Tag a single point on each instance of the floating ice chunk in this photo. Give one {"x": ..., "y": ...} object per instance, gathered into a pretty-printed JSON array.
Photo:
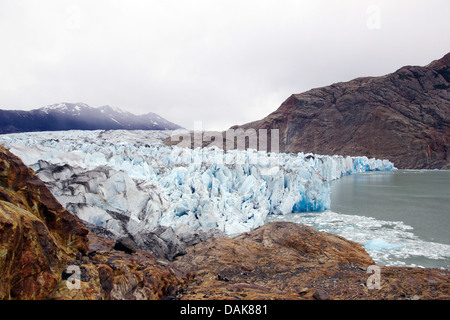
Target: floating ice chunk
[{"x": 380, "y": 244}]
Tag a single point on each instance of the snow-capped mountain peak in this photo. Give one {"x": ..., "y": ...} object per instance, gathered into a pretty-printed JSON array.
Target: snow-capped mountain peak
[
  {"x": 108, "y": 108},
  {"x": 65, "y": 107},
  {"x": 79, "y": 116}
]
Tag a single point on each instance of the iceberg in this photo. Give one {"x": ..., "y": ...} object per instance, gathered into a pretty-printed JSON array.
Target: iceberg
[
  {"x": 130, "y": 182},
  {"x": 380, "y": 244}
]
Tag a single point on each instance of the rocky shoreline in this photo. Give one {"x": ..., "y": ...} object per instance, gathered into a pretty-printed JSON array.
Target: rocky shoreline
[{"x": 46, "y": 252}]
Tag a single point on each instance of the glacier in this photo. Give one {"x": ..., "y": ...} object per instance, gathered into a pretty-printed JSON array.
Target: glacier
[{"x": 129, "y": 182}]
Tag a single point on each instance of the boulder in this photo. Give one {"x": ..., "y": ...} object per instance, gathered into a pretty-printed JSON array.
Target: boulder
[{"x": 125, "y": 244}]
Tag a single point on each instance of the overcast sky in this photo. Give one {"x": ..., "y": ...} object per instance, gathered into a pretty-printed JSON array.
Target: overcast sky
[{"x": 220, "y": 62}]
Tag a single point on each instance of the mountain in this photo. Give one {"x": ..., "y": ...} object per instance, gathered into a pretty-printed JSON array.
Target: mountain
[
  {"x": 79, "y": 116},
  {"x": 402, "y": 116}
]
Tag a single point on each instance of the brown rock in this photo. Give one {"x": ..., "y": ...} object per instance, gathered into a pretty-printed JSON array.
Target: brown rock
[
  {"x": 105, "y": 274},
  {"x": 116, "y": 275},
  {"x": 321, "y": 295},
  {"x": 37, "y": 234},
  {"x": 272, "y": 261},
  {"x": 19, "y": 185},
  {"x": 39, "y": 240},
  {"x": 280, "y": 261}
]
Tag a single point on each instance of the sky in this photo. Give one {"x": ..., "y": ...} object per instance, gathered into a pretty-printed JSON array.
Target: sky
[{"x": 219, "y": 62}]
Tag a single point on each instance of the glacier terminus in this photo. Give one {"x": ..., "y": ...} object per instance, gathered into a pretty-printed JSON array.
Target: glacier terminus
[{"x": 130, "y": 183}]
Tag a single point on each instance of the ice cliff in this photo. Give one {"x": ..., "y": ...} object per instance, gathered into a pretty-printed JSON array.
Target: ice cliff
[{"x": 130, "y": 183}]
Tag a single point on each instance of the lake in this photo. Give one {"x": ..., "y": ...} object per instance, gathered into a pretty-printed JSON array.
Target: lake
[{"x": 402, "y": 217}]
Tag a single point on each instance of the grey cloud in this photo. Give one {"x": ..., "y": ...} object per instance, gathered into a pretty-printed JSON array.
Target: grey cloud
[{"x": 221, "y": 62}]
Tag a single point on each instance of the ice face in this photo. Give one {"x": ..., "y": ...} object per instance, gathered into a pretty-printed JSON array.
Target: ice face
[{"x": 129, "y": 182}]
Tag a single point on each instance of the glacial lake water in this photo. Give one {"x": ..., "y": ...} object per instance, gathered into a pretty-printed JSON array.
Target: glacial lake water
[{"x": 402, "y": 217}]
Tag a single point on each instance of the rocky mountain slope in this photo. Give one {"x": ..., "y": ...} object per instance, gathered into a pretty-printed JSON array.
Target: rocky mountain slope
[
  {"x": 40, "y": 239},
  {"x": 402, "y": 116},
  {"x": 79, "y": 116}
]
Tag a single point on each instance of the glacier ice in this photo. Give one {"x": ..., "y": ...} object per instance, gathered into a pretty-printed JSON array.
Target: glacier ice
[
  {"x": 129, "y": 182},
  {"x": 380, "y": 244}
]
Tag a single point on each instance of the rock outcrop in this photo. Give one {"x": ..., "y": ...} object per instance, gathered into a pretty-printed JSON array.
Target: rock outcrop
[
  {"x": 284, "y": 260},
  {"x": 403, "y": 116},
  {"x": 38, "y": 236},
  {"x": 110, "y": 274},
  {"x": 40, "y": 239}
]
